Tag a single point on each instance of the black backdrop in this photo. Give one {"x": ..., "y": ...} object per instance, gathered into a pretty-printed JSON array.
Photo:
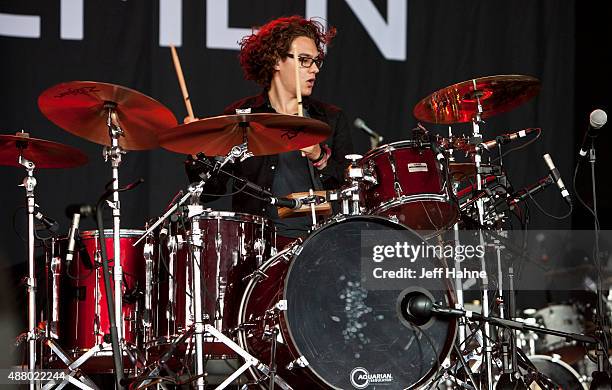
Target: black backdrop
[{"x": 446, "y": 42}]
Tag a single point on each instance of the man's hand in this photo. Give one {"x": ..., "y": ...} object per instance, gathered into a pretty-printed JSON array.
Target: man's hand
[{"x": 311, "y": 152}]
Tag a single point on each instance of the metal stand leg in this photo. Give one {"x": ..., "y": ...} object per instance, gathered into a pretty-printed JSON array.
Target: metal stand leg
[{"x": 72, "y": 371}]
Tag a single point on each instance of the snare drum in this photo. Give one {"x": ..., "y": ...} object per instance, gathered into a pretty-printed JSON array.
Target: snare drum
[
  {"x": 79, "y": 315},
  {"x": 413, "y": 187},
  {"x": 233, "y": 247},
  {"x": 330, "y": 331}
]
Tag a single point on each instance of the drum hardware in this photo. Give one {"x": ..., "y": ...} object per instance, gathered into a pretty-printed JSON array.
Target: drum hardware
[
  {"x": 21, "y": 150},
  {"x": 428, "y": 308},
  {"x": 195, "y": 245},
  {"x": 472, "y": 101},
  {"x": 131, "y": 122},
  {"x": 195, "y": 189}
]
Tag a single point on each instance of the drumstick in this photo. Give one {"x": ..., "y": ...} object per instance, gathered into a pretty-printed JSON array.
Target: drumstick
[
  {"x": 298, "y": 87},
  {"x": 181, "y": 80}
]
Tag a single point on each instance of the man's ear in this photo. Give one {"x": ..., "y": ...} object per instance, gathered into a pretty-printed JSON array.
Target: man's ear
[{"x": 277, "y": 65}]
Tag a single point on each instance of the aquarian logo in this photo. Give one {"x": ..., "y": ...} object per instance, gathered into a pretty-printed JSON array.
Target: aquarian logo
[{"x": 361, "y": 378}]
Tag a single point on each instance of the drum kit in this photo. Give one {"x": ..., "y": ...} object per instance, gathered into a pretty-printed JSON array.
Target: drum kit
[{"x": 200, "y": 285}]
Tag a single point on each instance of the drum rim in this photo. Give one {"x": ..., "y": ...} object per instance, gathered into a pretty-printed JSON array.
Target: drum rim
[
  {"x": 393, "y": 146},
  {"x": 210, "y": 214},
  {"x": 108, "y": 233},
  {"x": 443, "y": 352},
  {"x": 406, "y": 199},
  {"x": 557, "y": 359}
]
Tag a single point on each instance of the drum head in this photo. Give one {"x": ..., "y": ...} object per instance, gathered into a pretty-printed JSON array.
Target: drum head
[
  {"x": 353, "y": 337},
  {"x": 561, "y": 373}
]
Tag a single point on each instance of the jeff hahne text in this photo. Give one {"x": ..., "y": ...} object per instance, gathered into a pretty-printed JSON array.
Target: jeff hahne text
[{"x": 412, "y": 261}]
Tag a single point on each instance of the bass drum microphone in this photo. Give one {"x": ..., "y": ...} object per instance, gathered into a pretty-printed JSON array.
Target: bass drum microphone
[{"x": 416, "y": 307}]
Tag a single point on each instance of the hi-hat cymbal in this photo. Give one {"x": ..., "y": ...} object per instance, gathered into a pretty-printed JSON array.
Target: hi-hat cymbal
[
  {"x": 44, "y": 154},
  {"x": 458, "y": 103},
  {"x": 266, "y": 133},
  {"x": 80, "y": 107}
]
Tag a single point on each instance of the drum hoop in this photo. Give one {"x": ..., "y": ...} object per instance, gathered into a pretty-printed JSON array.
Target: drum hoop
[
  {"x": 248, "y": 290},
  {"x": 393, "y": 146},
  {"x": 108, "y": 233},
  {"x": 562, "y": 364},
  {"x": 231, "y": 216}
]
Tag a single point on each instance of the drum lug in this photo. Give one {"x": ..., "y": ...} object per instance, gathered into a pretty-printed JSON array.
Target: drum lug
[
  {"x": 281, "y": 305},
  {"x": 300, "y": 362}
]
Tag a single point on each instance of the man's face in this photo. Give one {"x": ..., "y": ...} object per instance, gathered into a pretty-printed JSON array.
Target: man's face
[{"x": 285, "y": 68}]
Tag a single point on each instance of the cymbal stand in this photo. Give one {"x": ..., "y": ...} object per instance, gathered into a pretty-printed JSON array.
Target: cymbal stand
[
  {"x": 477, "y": 138},
  {"x": 114, "y": 154},
  {"x": 460, "y": 301},
  {"x": 29, "y": 183}
]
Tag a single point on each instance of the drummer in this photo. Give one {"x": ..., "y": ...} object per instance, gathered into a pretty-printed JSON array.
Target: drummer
[{"x": 266, "y": 58}]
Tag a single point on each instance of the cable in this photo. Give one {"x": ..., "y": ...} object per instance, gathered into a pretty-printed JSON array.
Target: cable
[{"x": 516, "y": 148}]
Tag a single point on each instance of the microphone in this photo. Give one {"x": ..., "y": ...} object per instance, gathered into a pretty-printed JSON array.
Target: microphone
[
  {"x": 417, "y": 308},
  {"x": 83, "y": 209},
  {"x": 293, "y": 204},
  {"x": 360, "y": 124},
  {"x": 50, "y": 224},
  {"x": 507, "y": 138},
  {"x": 557, "y": 178},
  {"x": 74, "y": 228},
  {"x": 597, "y": 120}
]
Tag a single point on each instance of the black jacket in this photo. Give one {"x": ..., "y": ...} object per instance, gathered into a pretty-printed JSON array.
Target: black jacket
[{"x": 260, "y": 170}]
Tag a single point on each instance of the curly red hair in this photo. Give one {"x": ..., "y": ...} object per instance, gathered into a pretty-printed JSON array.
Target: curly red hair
[{"x": 260, "y": 51}]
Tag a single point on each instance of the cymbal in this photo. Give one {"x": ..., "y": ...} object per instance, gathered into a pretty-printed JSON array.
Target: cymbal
[
  {"x": 79, "y": 107},
  {"x": 266, "y": 133},
  {"x": 44, "y": 154},
  {"x": 458, "y": 103}
]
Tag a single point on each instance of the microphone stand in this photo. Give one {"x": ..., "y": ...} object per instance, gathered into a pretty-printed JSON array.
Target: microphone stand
[
  {"x": 117, "y": 355},
  {"x": 601, "y": 377}
]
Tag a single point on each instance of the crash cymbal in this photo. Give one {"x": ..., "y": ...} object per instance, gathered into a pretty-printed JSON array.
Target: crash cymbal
[
  {"x": 44, "y": 154},
  {"x": 458, "y": 103},
  {"x": 266, "y": 134},
  {"x": 80, "y": 107}
]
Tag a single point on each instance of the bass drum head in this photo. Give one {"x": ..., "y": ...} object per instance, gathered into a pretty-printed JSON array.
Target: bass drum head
[
  {"x": 561, "y": 373},
  {"x": 353, "y": 337}
]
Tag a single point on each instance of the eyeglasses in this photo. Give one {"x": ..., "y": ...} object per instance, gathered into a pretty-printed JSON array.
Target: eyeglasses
[{"x": 306, "y": 62}]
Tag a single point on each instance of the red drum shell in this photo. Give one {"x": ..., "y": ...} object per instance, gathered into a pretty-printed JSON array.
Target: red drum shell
[
  {"x": 234, "y": 245},
  {"x": 83, "y": 316}
]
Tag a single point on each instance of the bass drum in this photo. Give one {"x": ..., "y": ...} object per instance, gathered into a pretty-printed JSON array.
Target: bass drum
[{"x": 330, "y": 331}]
